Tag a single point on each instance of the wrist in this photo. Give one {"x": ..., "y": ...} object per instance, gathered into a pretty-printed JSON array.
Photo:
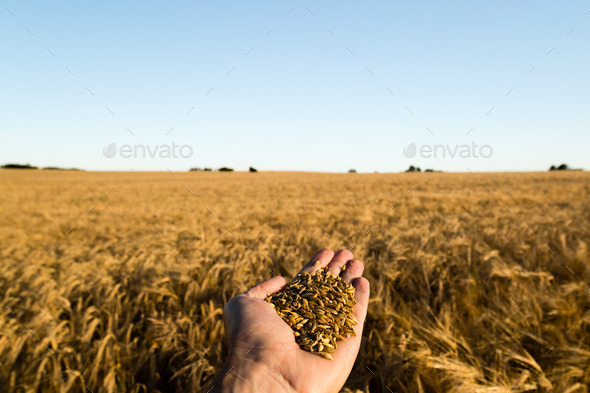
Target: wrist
[{"x": 248, "y": 375}]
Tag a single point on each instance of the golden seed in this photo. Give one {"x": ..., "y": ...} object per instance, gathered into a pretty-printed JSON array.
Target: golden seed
[{"x": 326, "y": 355}]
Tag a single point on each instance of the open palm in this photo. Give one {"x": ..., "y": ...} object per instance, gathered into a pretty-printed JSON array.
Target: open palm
[{"x": 261, "y": 340}]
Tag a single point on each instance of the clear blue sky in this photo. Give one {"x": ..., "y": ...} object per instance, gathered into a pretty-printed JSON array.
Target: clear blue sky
[{"x": 312, "y": 94}]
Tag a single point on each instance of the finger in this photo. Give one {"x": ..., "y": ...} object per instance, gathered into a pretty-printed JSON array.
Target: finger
[
  {"x": 323, "y": 256},
  {"x": 354, "y": 269},
  {"x": 348, "y": 350},
  {"x": 265, "y": 288},
  {"x": 339, "y": 260},
  {"x": 362, "y": 291}
]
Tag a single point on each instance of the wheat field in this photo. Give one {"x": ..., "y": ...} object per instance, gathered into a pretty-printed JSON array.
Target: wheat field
[{"x": 115, "y": 282}]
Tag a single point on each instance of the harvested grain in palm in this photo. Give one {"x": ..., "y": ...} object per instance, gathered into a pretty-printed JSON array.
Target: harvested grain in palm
[{"x": 318, "y": 308}]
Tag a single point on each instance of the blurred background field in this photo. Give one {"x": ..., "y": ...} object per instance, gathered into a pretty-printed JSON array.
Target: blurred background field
[{"x": 115, "y": 282}]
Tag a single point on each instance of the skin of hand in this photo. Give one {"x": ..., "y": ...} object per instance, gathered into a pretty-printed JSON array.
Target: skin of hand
[{"x": 263, "y": 354}]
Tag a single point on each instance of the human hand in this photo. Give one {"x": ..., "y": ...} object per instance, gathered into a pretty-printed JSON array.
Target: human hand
[{"x": 264, "y": 356}]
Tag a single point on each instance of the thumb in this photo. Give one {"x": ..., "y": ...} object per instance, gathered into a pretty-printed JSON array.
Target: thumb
[{"x": 265, "y": 288}]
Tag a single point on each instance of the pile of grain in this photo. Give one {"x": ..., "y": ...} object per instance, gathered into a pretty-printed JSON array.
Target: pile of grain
[{"x": 318, "y": 307}]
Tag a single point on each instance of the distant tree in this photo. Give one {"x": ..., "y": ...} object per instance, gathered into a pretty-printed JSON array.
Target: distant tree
[
  {"x": 56, "y": 168},
  {"x": 352, "y": 171},
  {"x": 225, "y": 169},
  {"x": 252, "y": 169},
  {"x": 19, "y": 166},
  {"x": 412, "y": 168},
  {"x": 418, "y": 169},
  {"x": 196, "y": 169},
  {"x": 562, "y": 167}
]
